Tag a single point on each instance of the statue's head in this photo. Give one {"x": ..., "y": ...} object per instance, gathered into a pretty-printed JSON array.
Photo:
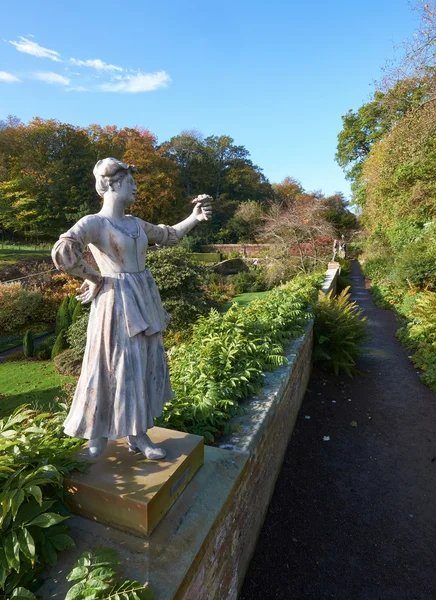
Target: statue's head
[{"x": 115, "y": 178}]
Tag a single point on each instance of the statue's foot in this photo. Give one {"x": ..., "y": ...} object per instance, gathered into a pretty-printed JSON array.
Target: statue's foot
[
  {"x": 142, "y": 443},
  {"x": 97, "y": 446}
]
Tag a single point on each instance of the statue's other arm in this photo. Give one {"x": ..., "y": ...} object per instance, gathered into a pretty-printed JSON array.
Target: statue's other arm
[{"x": 165, "y": 235}]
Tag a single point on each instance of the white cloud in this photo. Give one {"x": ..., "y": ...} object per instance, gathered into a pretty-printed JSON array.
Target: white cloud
[
  {"x": 28, "y": 47},
  {"x": 8, "y": 77},
  {"x": 142, "y": 82},
  {"x": 77, "y": 88},
  {"x": 52, "y": 78},
  {"x": 95, "y": 63}
]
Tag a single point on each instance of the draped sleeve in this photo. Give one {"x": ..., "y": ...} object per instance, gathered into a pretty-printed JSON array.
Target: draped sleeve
[
  {"x": 162, "y": 235},
  {"x": 68, "y": 250}
]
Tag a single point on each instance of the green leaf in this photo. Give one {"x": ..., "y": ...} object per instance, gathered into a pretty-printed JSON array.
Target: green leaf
[
  {"x": 27, "y": 544},
  {"x": 35, "y": 491},
  {"x": 12, "y": 550},
  {"x": 22, "y": 594},
  {"x": 47, "y": 520},
  {"x": 61, "y": 541},
  {"x": 77, "y": 592},
  {"x": 17, "y": 500},
  {"x": 49, "y": 552},
  {"x": 77, "y": 573}
]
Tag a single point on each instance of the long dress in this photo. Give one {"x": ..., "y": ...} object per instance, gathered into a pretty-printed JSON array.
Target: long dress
[{"x": 124, "y": 381}]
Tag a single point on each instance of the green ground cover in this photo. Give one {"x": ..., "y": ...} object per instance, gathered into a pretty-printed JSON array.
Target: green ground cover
[
  {"x": 10, "y": 255},
  {"x": 35, "y": 383}
]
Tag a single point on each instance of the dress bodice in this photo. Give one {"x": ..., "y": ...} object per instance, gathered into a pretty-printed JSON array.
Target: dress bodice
[{"x": 115, "y": 249}]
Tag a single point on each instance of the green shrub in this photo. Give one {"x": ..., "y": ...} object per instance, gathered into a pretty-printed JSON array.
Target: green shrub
[
  {"x": 248, "y": 281},
  {"x": 35, "y": 456},
  {"x": 67, "y": 363},
  {"x": 339, "y": 331},
  {"x": 78, "y": 312},
  {"x": 425, "y": 359},
  {"x": 179, "y": 280},
  {"x": 416, "y": 265},
  {"x": 377, "y": 267},
  {"x": 72, "y": 304},
  {"x": 60, "y": 344},
  {"x": 76, "y": 335},
  {"x": 45, "y": 348},
  {"x": 63, "y": 317},
  {"x": 225, "y": 360},
  {"x": 20, "y": 309},
  {"x": 28, "y": 344}
]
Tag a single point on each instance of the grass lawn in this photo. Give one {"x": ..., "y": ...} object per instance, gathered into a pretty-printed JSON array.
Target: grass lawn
[
  {"x": 206, "y": 257},
  {"x": 35, "y": 383},
  {"x": 11, "y": 255},
  {"x": 243, "y": 300}
]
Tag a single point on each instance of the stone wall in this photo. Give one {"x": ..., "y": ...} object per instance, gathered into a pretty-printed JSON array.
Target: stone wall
[
  {"x": 227, "y": 551},
  {"x": 250, "y": 250}
]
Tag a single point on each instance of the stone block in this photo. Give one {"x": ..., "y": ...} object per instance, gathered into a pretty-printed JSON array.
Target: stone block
[{"x": 131, "y": 493}]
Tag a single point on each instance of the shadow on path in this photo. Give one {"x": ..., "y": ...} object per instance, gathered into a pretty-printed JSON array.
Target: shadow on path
[{"x": 354, "y": 518}]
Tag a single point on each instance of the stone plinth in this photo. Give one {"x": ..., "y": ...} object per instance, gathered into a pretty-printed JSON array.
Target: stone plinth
[{"x": 129, "y": 492}]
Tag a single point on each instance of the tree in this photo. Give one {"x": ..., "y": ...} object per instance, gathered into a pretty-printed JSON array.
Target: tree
[
  {"x": 244, "y": 225},
  {"x": 297, "y": 227},
  {"x": 187, "y": 151},
  {"x": 159, "y": 197},
  {"x": 372, "y": 122}
]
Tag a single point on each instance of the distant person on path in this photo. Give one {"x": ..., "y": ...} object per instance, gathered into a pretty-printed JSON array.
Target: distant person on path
[{"x": 335, "y": 249}]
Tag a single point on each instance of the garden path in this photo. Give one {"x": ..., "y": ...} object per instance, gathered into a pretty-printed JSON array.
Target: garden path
[{"x": 353, "y": 516}]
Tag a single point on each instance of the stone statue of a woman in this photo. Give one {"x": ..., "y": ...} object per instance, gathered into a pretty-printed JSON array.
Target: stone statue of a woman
[{"x": 124, "y": 381}]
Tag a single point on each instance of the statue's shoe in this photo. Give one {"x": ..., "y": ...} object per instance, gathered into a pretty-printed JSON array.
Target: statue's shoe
[
  {"x": 97, "y": 446},
  {"x": 141, "y": 443}
]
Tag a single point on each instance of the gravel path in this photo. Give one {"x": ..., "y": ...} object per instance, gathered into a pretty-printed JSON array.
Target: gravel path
[{"x": 354, "y": 517}]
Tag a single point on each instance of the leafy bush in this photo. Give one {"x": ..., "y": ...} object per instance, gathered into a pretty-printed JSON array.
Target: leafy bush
[
  {"x": 377, "y": 267},
  {"x": 248, "y": 281},
  {"x": 60, "y": 344},
  {"x": 76, "y": 335},
  {"x": 67, "y": 363},
  {"x": 63, "y": 316},
  {"x": 45, "y": 348},
  {"x": 339, "y": 331},
  {"x": 420, "y": 333},
  {"x": 179, "y": 280},
  {"x": 96, "y": 578},
  {"x": 20, "y": 309},
  {"x": 225, "y": 360},
  {"x": 78, "y": 311},
  {"x": 35, "y": 456},
  {"x": 28, "y": 344},
  {"x": 416, "y": 265}
]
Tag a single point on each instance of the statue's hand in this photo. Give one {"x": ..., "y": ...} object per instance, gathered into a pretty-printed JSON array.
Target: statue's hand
[
  {"x": 88, "y": 290},
  {"x": 203, "y": 207}
]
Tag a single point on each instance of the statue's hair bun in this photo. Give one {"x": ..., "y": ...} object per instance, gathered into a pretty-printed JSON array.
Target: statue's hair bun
[{"x": 108, "y": 167}]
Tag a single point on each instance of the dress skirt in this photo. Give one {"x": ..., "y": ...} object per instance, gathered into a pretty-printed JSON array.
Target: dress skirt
[{"x": 124, "y": 381}]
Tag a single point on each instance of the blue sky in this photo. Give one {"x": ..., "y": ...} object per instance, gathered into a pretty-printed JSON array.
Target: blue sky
[{"x": 276, "y": 76}]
